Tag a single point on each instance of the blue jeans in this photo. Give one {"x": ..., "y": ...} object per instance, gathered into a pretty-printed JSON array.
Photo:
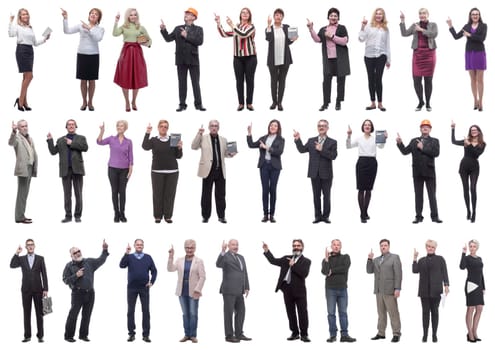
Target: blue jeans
[
  {"x": 337, "y": 297},
  {"x": 189, "y": 315}
]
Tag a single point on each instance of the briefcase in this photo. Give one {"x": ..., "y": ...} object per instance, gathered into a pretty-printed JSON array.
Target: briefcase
[{"x": 47, "y": 305}]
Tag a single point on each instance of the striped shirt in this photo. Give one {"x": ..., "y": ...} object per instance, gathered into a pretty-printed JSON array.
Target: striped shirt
[{"x": 243, "y": 39}]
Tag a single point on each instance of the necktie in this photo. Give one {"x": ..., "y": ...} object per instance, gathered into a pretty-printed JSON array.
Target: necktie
[
  {"x": 381, "y": 259},
  {"x": 217, "y": 165},
  {"x": 239, "y": 260}
]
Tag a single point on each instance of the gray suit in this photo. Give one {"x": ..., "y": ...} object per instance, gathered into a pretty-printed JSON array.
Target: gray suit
[
  {"x": 26, "y": 166},
  {"x": 234, "y": 283},
  {"x": 388, "y": 278}
]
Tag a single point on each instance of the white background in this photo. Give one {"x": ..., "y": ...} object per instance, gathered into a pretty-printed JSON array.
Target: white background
[{"x": 54, "y": 96}]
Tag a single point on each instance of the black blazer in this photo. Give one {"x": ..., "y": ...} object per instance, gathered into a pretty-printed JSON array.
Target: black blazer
[
  {"x": 77, "y": 146},
  {"x": 423, "y": 161},
  {"x": 34, "y": 280},
  {"x": 299, "y": 272},
  {"x": 276, "y": 150},
  {"x": 432, "y": 275},
  {"x": 270, "y": 37},
  {"x": 475, "y": 42},
  {"x": 320, "y": 163},
  {"x": 343, "y": 66},
  {"x": 186, "y": 49}
]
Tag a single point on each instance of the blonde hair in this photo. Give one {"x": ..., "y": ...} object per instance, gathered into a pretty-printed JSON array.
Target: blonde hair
[
  {"x": 98, "y": 11},
  {"x": 126, "y": 20},
  {"x": 384, "y": 20},
  {"x": 424, "y": 10},
  {"x": 126, "y": 124},
  {"x": 431, "y": 242},
  {"x": 19, "y": 17},
  {"x": 163, "y": 121},
  {"x": 475, "y": 242},
  {"x": 189, "y": 241}
]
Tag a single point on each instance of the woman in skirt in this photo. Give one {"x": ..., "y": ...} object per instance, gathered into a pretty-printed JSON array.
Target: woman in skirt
[
  {"x": 24, "y": 53},
  {"x": 88, "y": 54},
  {"x": 366, "y": 165},
  {"x": 131, "y": 68}
]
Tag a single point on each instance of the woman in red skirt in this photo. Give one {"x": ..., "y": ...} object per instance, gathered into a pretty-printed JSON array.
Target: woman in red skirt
[{"x": 131, "y": 68}]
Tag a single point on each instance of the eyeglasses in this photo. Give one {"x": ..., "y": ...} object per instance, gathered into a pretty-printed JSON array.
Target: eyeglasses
[
  {"x": 76, "y": 252},
  {"x": 30, "y": 245},
  {"x": 189, "y": 247},
  {"x": 213, "y": 125},
  {"x": 322, "y": 125}
]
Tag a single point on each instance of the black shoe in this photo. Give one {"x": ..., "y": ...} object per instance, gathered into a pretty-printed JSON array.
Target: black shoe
[
  {"x": 317, "y": 220},
  {"x": 147, "y": 339},
  {"x": 471, "y": 340},
  {"x": 116, "y": 217},
  {"x": 417, "y": 220},
  {"x": 323, "y": 107},
  {"x": 347, "y": 339},
  {"x": 27, "y": 108},
  {"x": 205, "y": 220},
  {"x": 428, "y": 108},
  {"x": 70, "y": 340},
  {"x": 86, "y": 339},
  {"x": 378, "y": 336},
  {"x": 244, "y": 338},
  {"x": 222, "y": 220},
  {"x": 157, "y": 221},
  {"x": 332, "y": 339},
  {"x": 363, "y": 220},
  {"x": 293, "y": 337},
  {"x": 395, "y": 339},
  {"x": 369, "y": 108},
  {"x": 272, "y": 219},
  {"x": 337, "y": 106},
  {"x": 66, "y": 219},
  {"x": 383, "y": 109},
  {"x": 473, "y": 217},
  {"x": 420, "y": 106},
  {"x": 24, "y": 221},
  {"x": 304, "y": 338},
  {"x": 280, "y": 107},
  {"x": 122, "y": 218},
  {"x": 181, "y": 108},
  {"x": 232, "y": 340},
  {"x": 240, "y": 108},
  {"x": 434, "y": 338},
  {"x": 250, "y": 108},
  {"x": 83, "y": 107},
  {"x": 273, "y": 105},
  {"x": 424, "y": 339},
  {"x": 40, "y": 340},
  {"x": 265, "y": 218},
  {"x": 437, "y": 220},
  {"x": 25, "y": 340},
  {"x": 131, "y": 338},
  {"x": 90, "y": 108},
  {"x": 326, "y": 221},
  {"x": 19, "y": 107},
  {"x": 168, "y": 221},
  {"x": 77, "y": 220},
  {"x": 200, "y": 108}
]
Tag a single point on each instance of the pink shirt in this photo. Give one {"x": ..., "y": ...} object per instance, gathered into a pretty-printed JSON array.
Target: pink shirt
[{"x": 331, "y": 43}]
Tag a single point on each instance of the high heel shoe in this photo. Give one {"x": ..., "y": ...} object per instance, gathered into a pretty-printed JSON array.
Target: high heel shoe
[
  {"x": 473, "y": 217},
  {"x": 470, "y": 340},
  {"x": 468, "y": 215},
  {"x": 19, "y": 107},
  {"x": 420, "y": 106},
  {"x": 27, "y": 108}
]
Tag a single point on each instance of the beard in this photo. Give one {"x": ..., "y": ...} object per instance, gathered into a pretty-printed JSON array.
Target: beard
[
  {"x": 78, "y": 259},
  {"x": 296, "y": 252}
]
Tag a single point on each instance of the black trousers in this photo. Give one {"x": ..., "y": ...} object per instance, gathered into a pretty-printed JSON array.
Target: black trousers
[
  {"x": 144, "y": 298},
  {"x": 431, "y": 188},
  {"x": 233, "y": 305},
  {"x": 321, "y": 186},
  {"x": 375, "y": 67},
  {"x": 244, "y": 69},
  {"x": 27, "y": 301},
  {"x": 81, "y": 298},
  {"x": 164, "y": 186},
  {"x": 182, "y": 70},
  {"x": 69, "y": 181},
  {"x": 430, "y": 308},
  {"x": 278, "y": 75},
  {"x": 327, "y": 83},
  {"x": 297, "y": 308},
  {"x": 118, "y": 182},
  {"x": 215, "y": 177}
]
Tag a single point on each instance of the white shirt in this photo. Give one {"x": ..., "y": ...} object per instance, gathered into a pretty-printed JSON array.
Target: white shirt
[
  {"x": 279, "y": 45},
  {"x": 88, "y": 39},
  {"x": 366, "y": 146},
  {"x": 268, "y": 143},
  {"x": 24, "y": 34},
  {"x": 377, "y": 41}
]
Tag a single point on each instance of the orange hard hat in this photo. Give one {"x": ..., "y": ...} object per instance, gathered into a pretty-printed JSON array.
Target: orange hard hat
[
  {"x": 193, "y": 11},
  {"x": 425, "y": 122}
]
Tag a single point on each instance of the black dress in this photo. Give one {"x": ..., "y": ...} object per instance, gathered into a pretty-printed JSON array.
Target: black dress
[
  {"x": 475, "y": 279},
  {"x": 469, "y": 163}
]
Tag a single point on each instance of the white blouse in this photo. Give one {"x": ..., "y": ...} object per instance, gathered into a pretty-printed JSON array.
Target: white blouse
[
  {"x": 88, "y": 41},
  {"x": 377, "y": 42},
  {"x": 366, "y": 146},
  {"x": 24, "y": 34},
  {"x": 279, "y": 45}
]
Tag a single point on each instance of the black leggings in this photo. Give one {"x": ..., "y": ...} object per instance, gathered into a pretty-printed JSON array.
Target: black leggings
[
  {"x": 430, "y": 306},
  {"x": 418, "y": 87},
  {"x": 375, "y": 67},
  {"x": 469, "y": 182}
]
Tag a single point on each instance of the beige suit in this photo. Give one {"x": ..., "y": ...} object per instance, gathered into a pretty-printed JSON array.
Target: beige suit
[
  {"x": 197, "y": 275},
  {"x": 23, "y": 153},
  {"x": 206, "y": 160}
]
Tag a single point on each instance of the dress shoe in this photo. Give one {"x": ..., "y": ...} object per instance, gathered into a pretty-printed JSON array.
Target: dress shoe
[
  {"x": 304, "y": 338},
  {"x": 40, "y": 340},
  {"x": 86, "y": 339},
  {"x": 424, "y": 339},
  {"x": 280, "y": 107},
  {"x": 24, "y": 221},
  {"x": 78, "y": 220},
  {"x": 205, "y": 220},
  {"x": 19, "y": 107},
  {"x": 222, "y": 220},
  {"x": 479, "y": 109},
  {"x": 181, "y": 108},
  {"x": 244, "y": 338},
  {"x": 193, "y": 339},
  {"x": 116, "y": 218},
  {"x": 240, "y": 108},
  {"x": 250, "y": 108},
  {"x": 232, "y": 340},
  {"x": 265, "y": 218},
  {"x": 434, "y": 338},
  {"x": 168, "y": 221},
  {"x": 437, "y": 220},
  {"x": 369, "y": 108},
  {"x": 317, "y": 220},
  {"x": 66, "y": 219},
  {"x": 378, "y": 336},
  {"x": 477, "y": 339},
  {"x": 128, "y": 109},
  {"x": 473, "y": 217},
  {"x": 134, "y": 108},
  {"x": 417, "y": 220},
  {"x": 25, "y": 340},
  {"x": 184, "y": 339},
  {"x": 428, "y": 108},
  {"x": 157, "y": 221},
  {"x": 122, "y": 218},
  {"x": 332, "y": 339},
  {"x": 326, "y": 221},
  {"x": 347, "y": 339},
  {"x": 293, "y": 337},
  {"x": 323, "y": 107},
  {"x": 272, "y": 219},
  {"x": 470, "y": 340},
  {"x": 273, "y": 105},
  {"x": 147, "y": 339},
  {"x": 383, "y": 109},
  {"x": 395, "y": 339},
  {"x": 91, "y": 108},
  {"x": 338, "y": 106},
  {"x": 83, "y": 107},
  {"x": 363, "y": 220},
  {"x": 420, "y": 106},
  {"x": 200, "y": 108},
  {"x": 70, "y": 340},
  {"x": 131, "y": 338}
]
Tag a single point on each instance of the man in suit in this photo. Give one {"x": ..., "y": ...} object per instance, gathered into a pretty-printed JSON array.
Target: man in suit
[
  {"x": 388, "y": 280},
  {"x": 71, "y": 167},
  {"x": 322, "y": 151},
  {"x": 141, "y": 276},
  {"x": 26, "y": 166},
  {"x": 212, "y": 169},
  {"x": 294, "y": 269},
  {"x": 79, "y": 276},
  {"x": 188, "y": 37},
  {"x": 235, "y": 285},
  {"x": 424, "y": 150},
  {"x": 34, "y": 287}
]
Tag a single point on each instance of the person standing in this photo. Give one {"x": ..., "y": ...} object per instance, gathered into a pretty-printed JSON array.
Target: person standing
[
  {"x": 212, "y": 169},
  {"x": 79, "y": 276},
  {"x": 34, "y": 287},
  {"x": 26, "y": 166},
  {"x": 188, "y": 37},
  {"x": 424, "y": 150},
  {"x": 433, "y": 282},
  {"x": 322, "y": 151},
  {"x": 469, "y": 168},
  {"x": 292, "y": 282},
  {"x": 387, "y": 269},
  {"x": 141, "y": 276},
  {"x": 120, "y": 166},
  {"x": 271, "y": 147},
  {"x": 191, "y": 279},
  {"x": 335, "y": 55},
  {"x": 88, "y": 53},
  {"x": 424, "y": 55},
  {"x": 71, "y": 167},
  {"x": 335, "y": 267},
  {"x": 474, "y": 288},
  {"x": 234, "y": 287}
]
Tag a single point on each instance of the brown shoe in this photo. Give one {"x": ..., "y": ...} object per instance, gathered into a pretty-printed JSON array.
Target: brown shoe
[{"x": 184, "y": 339}]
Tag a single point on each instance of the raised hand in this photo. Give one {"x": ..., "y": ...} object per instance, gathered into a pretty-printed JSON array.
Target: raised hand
[
  {"x": 398, "y": 138},
  {"x": 18, "y": 250},
  {"x": 265, "y": 247},
  {"x": 149, "y": 128},
  {"x": 370, "y": 254},
  {"x": 249, "y": 128},
  {"x": 162, "y": 25},
  {"x": 201, "y": 130},
  {"x": 117, "y": 17},
  {"x": 64, "y": 13},
  {"x": 402, "y": 17},
  {"x": 128, "y": 249},
  {"x": 452, "y": 124},
  {"x": 449, "y": 22},
  {"x": 464, "y": 249},
  {"x": 297, "y": 136},
  {"x": 14, "y": 127},
  {"x": 49, "y": 136},
  {"x": 102, "y": 127},
  {"x": 224, "y": 246},
  {"x": 309, "y": 24},
  {"x": 269, "y": 21},
  {"x": 217, "y": 19},
  {"x": 349, "y": 131},
  {"x": 415, "y": 254},
  {"x": 364, "y": 22},
  {"x": 171, "y": 250},
  {"x": 104, "y": 245}
]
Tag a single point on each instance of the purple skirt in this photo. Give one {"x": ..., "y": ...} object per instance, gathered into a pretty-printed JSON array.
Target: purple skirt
[{"x": 475, "y": 60}]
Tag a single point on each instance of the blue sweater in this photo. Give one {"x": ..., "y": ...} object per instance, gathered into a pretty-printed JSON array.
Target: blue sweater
[{"x": 138, "y": 270}]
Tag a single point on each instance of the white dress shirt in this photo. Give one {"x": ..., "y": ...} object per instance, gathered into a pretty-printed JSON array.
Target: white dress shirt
[{"x": 377, "y": 42}]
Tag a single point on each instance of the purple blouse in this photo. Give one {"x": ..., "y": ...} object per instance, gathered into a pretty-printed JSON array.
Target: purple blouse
[{"x": 121, "y": 156}]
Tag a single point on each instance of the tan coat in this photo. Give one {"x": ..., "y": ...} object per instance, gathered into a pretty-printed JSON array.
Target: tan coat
[{"x": 197, "y": 275}]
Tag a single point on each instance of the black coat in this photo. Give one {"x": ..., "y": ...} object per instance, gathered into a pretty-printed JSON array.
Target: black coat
[
  {"x": 276, "y": 150},
  {"x": 270, "y": 37},
  {"x": 299, "y": 272},
  {"x": 433, "y": 275},
  {"x": 320, "y": 163},
  {"x": 34, "y": 280},
  {"x": 423, "y": 161},
  {"x": 343, "y": 66},
  {"x": 186, "y": 49}
]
